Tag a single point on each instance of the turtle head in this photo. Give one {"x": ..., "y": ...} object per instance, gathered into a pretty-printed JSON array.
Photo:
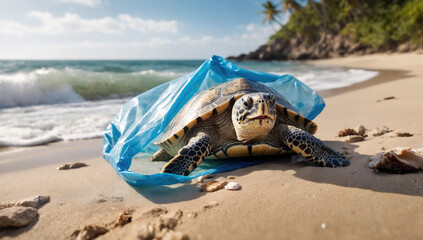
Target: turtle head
[{"x": 253, "y": 116}]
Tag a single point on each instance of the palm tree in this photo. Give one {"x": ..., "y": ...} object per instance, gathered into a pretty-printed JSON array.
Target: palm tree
[
  {"x": 271, "y": 13},
  {"x": 323, "y": 18},
  {"x": 290, "y": 6}
]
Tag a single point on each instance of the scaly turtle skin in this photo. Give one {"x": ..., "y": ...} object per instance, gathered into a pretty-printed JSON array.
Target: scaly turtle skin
[{"x": 237, "y": 119}]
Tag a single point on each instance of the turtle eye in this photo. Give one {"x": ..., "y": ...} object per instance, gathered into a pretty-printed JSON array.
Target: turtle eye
[{"x": 248, "y": 102}]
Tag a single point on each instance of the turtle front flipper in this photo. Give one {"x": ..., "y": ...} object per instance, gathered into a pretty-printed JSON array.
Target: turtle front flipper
[
  {"x": 311, "y": 148},
  {"x": 190, "y": 156}
]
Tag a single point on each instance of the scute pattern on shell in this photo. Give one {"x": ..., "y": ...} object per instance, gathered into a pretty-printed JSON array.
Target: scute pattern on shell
[{"x": 203, "y": 104}]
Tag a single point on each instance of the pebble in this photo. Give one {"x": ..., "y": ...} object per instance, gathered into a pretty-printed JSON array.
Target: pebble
[
  {"x": 402, "y": 134},
  {"x": 380, "y": 131},
  {"x": 72, "y": 166},
  {"x": 361, "y": 130},
  {"x": 233, "y": 186},
  {"x": 34, "y": 202},
  {"x": 213, "y": 186},
  {"x": 124, "y": 217},
  {"x": 89, "y": 232},
  {"x": 201, "y": 179},
  {"x": 352, "y": 138},
  {"x": 175, "y": 235}
]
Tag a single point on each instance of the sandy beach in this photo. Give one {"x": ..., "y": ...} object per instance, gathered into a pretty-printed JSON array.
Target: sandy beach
[{"x": 278, "y": 200}]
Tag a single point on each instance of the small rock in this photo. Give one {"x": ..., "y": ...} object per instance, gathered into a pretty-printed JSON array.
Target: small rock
[
  {"x": 398, "y": 160},
  {"x": 210, "y": 205},
  {"x": 388, "y": 98},
  {"x": 34, "y": 202},
  {"x": 17, "y": 216},
  {"x": 145, "y": 232},
  {"x": 117, "y": 199},
  {"x": 178, "y": 214},
  {"x": 323, "y": 226},
  {"x": 89, "y": 232},
  {"x": 352, "y": 138},
  {"x": 232, "y": 186},
  {"x": 347, "y": 132},
  {"x": 201, "y": 179},
  {"x": 192, "y": 215},
  {"x": 168, "y": 223},
  {"x": 124, "y": 218},
  {"x": 402, "y": 134},
  {"x": 213, "y": 186},
  {"x": 379, "y": 131},
  {"x": 175, "y": 235},
  {"x": 361, "y": 130},
  {"x": 155, "y": 212},
  {"x": 230, "y": 177},
  {"x": 72, "y": 166}
]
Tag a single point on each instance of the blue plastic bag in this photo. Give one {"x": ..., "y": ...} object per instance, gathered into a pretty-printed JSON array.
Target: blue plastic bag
[{"x": 143, "y": 118}]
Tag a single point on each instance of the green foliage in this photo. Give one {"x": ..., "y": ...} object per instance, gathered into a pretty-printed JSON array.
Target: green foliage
[{"x": 380, "y": 24}]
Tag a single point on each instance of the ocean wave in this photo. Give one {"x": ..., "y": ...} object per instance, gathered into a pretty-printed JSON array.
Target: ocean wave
[
  {"x": 37, "y": 125},
  {"x": 68, "y": 85}
]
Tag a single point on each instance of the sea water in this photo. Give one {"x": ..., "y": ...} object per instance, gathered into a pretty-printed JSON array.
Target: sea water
[{"x": 47, "y": 101}]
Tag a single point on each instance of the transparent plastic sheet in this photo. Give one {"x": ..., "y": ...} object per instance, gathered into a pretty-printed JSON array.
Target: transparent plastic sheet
[{"x": 142, "y": 119}]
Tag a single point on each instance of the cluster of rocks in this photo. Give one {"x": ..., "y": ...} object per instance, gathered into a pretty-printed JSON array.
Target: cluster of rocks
[{"x": 327, "y": 46}]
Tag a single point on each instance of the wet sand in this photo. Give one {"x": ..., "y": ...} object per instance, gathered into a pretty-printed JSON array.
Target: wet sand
[{"x": 278, "y": 199}]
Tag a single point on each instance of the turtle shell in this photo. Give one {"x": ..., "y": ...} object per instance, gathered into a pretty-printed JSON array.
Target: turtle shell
[{"x": 216, "y": 100}]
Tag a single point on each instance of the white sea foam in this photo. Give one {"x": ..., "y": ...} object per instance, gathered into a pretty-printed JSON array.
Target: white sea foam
[
  {"x": 47, "y": 104},
  {"x": 25, "y": 89},
  {"x": 331, "y": 77},
  {"x": 36, "y": 125}
]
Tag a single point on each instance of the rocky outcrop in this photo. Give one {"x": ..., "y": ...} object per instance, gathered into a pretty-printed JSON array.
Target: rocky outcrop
[{"x": 327, "y": 46}]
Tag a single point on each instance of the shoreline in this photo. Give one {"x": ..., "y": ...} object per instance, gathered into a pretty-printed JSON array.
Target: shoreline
[
  {"x": 323, "y": 93},
  {"x": 301, "y": 200}
]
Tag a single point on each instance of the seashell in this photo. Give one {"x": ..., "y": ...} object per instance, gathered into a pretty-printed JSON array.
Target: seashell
[
  {"x": 233, "y": 186},
  {"x": 398, "y": 160},
  {"x": 230, "y": 177},
  {"x": 213, "y": 186}
]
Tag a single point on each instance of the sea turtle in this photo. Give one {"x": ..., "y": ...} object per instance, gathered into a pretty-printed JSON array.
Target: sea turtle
[{"x": 240, "y": 118}]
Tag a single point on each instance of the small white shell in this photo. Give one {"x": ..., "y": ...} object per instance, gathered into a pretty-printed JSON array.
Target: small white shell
[{"x": 232, "y": 186}]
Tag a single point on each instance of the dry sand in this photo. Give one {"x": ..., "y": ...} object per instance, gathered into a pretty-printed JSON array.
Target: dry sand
[{"x": 278, "y": 200}]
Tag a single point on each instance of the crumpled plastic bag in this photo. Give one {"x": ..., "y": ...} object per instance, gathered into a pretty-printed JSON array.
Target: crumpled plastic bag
[{"x": 142, "y": 119}]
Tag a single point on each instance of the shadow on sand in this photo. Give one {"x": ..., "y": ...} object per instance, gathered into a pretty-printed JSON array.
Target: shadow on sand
[{"x": 357, "y": 175}]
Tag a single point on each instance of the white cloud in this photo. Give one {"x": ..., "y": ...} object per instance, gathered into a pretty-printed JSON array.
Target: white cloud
[
  {"x": 13, "y": 28},
  {"x": 148, "y": 25},
  {"x": 73, "y": 23},
  {"x": 88, "y": 3},
  {"x": 246, "y": 38}
]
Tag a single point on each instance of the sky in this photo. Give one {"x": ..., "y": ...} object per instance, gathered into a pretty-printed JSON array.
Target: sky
[{"x": 130, "y": 29}]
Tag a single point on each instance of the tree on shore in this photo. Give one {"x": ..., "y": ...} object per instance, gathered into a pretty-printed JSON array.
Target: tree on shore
[{"x": 379, "y": 24}]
